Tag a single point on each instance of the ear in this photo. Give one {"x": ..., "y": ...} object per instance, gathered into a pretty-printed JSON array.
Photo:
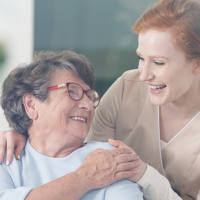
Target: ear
[{"x": 29, "y": 102}]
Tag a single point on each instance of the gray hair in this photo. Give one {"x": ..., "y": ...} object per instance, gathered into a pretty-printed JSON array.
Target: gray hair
[{"x": 35, "y": 79}]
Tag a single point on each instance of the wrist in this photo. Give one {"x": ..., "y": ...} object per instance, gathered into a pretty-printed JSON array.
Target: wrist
[
  {"x": 143, "y": 170},
  {"x": 83, "y": 180}
]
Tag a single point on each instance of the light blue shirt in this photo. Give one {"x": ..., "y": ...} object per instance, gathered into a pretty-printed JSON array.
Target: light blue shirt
[{"x": 35, "y": 169}]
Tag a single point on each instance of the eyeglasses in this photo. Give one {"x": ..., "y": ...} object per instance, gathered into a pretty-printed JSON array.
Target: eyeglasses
[{"x": 76, "y": 92}]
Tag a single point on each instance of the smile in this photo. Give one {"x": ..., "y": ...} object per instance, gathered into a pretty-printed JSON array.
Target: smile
[
  {"x": 82, "y": 119},
  {"x": 157, "y": 87}
]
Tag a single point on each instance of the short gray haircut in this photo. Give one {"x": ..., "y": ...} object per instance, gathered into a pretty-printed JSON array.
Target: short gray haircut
[{"x": 35, "y": 79}]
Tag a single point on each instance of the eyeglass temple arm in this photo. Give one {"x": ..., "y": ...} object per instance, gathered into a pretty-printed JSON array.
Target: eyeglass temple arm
[{"x": 56, "y": 86}]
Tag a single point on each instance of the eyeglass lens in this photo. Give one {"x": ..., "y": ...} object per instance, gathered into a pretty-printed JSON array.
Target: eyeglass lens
[{"x": 76, "y": 92}]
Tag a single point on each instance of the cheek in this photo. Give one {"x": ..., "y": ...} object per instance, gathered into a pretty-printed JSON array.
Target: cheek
[
  {"x": 92, "y": 115},
  {"x": 179, "y": 86}
]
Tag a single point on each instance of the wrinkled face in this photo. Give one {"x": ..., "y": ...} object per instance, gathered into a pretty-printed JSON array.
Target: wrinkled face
[
  {"x": 164, "y": 68},
  {"x": 61, "y": 115}
]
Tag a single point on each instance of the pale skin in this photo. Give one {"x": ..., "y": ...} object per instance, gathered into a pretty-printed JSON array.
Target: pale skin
[
  {"x": 100, "y": 168},
  {"x": 173, "y": 82},
  {"x": 169, "y": 67}
]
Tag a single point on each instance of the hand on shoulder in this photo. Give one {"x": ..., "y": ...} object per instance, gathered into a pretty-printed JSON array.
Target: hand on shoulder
[
  {"x": 11, "y": 143},
  {"x": 138, "y": 166}
]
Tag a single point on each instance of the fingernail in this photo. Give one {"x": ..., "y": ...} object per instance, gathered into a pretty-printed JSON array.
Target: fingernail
[
  {"x": 18, "y": 157},
  {"x": 7, "y": 162}
]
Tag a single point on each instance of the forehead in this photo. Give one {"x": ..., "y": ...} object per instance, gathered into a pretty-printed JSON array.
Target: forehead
[
  {"x": 64, "y": 76},
  {"x": 157, "y": 42}
]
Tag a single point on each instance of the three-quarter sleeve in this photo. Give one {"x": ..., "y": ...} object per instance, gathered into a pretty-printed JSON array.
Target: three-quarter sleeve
[{"x": 155, "y": 186}]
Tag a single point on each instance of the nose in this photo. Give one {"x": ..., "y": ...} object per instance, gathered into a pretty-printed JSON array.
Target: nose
[
  {"x": 86, "y": 103},
  {"x": 146, "y": 73}
]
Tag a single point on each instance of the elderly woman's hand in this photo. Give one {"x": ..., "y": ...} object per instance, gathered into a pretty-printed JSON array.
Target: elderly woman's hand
[
  {"x": 139, "y": 165},
  {"x": 11, "y": 142},
  {"x": 103, "y": 167}
]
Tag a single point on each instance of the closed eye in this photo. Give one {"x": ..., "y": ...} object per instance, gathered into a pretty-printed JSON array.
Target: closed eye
[{"x": 159, "y": 62}]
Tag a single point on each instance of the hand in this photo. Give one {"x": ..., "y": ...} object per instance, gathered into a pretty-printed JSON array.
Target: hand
[
  {"x": 138, "y": 165},
  {"x": 13, "y": 142},
  {"x": 103, "y": 167}
]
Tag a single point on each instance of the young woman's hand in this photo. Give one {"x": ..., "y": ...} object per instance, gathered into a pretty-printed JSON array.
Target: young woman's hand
[
  {"x": 103, "y": 167},
  {"x": 138, "y": 165},
  {"x": 11, "y": 143}
]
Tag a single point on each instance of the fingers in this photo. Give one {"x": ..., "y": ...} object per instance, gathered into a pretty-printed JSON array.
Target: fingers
[
  {"x": 18, "y": 151},
  {"x": 123, "y": 158},
  {"x": 10, "y": 149},
  {"x": 120, "y": 151},
  {"x": 20, "y": 144},
  {"x": 132, "y": 171},
  {"x": 8, "y": 141},
  {"x": 125, "y": 174},
  {"x": 2, "y": 148},
  {"x": 117, "y": 143},
  {"x": 128, "y": 166}
]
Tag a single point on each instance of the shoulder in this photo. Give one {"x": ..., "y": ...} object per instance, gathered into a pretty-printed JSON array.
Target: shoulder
[
  {"x": 10, "y": 173},
  {"x": 124, "y": 189},
  {"x": 129, "y": 93},
  {"x": 131, "y": 75},
  {"x": 16, "y": 165},
  {"x": 93, "y": 145},
  {"x": 128, "y": 84},
  {"x": 131, "y": 82},
  {"x": 14, "y": 161}
]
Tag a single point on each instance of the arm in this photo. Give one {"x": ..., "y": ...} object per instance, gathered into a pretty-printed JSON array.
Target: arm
[
  {"x": 100, "y": 168},
  {"x": 104, "y": 125},
  {"x": 71, "y": 186},
  {"x": 153, "y": 184},
  {"x": 156, "y": 187},
  {"x": 12, "y": 143}
]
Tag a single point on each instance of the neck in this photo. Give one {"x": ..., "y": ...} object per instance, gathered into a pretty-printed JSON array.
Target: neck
[
  {"x": 183, "y": 110},
  {"x": 52, "y": 146},
  {"x": 179, "y": 112}
]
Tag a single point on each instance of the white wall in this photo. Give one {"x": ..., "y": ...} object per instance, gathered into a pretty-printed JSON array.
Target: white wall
[{"x": 16, "y": 34}]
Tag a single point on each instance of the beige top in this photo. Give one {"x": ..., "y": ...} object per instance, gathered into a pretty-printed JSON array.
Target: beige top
[
  {"x": 198, "y": 196},
  {"x": 126, "y": 113},
  {"x": 155, "y": 186}
]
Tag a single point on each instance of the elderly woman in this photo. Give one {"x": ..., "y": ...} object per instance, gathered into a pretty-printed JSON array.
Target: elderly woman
[
  {"x": 51, "y": 102},
  {"x": 156, "y": 108}
]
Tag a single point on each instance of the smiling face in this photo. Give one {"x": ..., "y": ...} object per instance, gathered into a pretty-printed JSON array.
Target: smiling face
[
  {"x": 61, "y": 118},
  {"x": 169, "y": 75}
]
